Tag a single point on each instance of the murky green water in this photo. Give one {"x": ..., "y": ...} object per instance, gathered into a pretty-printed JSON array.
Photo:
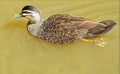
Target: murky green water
[{"x": 20, "y": 53}]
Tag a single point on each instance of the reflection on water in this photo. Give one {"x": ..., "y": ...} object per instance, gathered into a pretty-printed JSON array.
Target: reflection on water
[{"x": 21, "y": 53}]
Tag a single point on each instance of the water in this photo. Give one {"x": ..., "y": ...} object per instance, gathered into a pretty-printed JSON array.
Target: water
[{"x": 21, "y": 53}]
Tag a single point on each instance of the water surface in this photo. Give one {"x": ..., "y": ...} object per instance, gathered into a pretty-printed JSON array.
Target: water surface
[{"x": 21, "y": 53}]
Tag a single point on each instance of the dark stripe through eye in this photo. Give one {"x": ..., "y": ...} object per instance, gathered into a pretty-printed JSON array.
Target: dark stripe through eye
[{"x": 26, "y": 12}]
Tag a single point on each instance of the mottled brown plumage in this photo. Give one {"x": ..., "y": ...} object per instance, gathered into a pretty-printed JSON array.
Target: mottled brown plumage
[{"x": 64, "y": 28}]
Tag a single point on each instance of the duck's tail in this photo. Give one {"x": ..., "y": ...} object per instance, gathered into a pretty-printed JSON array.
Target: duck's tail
[{"x": 109, "y": 25}]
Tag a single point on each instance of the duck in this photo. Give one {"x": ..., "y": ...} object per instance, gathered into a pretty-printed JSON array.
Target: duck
[{"x": 63, "y": 28}]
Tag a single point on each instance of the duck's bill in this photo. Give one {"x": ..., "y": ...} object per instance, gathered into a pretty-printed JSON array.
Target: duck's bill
[{"x": 17, "y": 16}]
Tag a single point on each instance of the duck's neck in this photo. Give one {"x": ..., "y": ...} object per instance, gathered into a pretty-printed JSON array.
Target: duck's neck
[
  {"x": 34, "y": 25},
  {"x": 34, "y": 28}
]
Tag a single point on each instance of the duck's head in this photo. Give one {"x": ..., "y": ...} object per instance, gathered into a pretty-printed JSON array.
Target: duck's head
[{"x": 30, "y": 12}]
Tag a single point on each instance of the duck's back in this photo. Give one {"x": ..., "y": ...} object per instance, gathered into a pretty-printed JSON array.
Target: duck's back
[{"x": 63, "y": 28}]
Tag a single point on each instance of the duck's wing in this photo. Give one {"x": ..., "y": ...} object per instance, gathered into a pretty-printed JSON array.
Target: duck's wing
[
  {"x": 63, "y": 20},
  {"x": 83, "y": 25},
  {"x": 68, "y": 23},
  {"x": 94, "y": 28}
]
